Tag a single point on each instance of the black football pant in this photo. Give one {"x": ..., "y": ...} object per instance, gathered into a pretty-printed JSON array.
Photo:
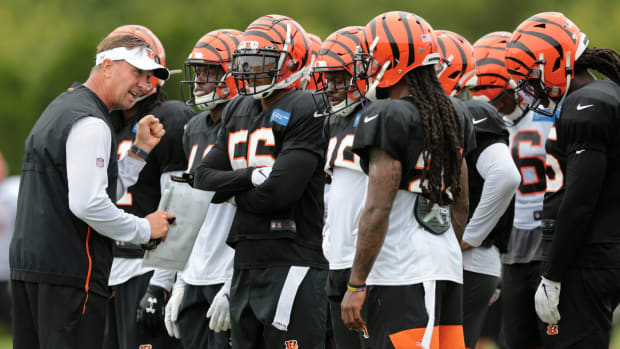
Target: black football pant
[{"x": 56, "y": 317}]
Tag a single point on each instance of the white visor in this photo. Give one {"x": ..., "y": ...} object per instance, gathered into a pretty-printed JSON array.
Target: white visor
[{"x": 140, "y": 57}]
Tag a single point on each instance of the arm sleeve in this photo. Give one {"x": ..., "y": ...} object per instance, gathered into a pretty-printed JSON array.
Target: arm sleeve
[
  {"x": 289, "y": 177},
  {"x": 215, "y": 174},
  {"x": 576, "y": 210},
  {"x": 128, "y": 172},
  {"x": 501, "y": 179},
  {"x": 163, "y": 278},
  {"x": 89, "y": 139}
]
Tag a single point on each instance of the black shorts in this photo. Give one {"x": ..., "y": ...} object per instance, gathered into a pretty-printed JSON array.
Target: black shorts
[
  {"x": 122, "y": 331},
  {"x": 50, "y": 316},
  {"x": 588, "y": 298},
  {"x": 477, "y": 292},
  {"x": 193, "y": 322},
  {"x": 336, "y": 288},
  {"x": 492, "y": 328},
  {"x": 258, "y": 295},
  {"x": 397, "y": 316},
  {"x": 521, "y": 326}
]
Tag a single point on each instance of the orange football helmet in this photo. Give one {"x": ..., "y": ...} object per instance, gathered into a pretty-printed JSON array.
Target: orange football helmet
[
  {"x": 273, "y": 53},
  {"x": 540, "y": 57},
  {"x": 208, "y": 69},
  {"x": 337, "y": 55},
  {"x": 392, "y": 44},
  {"x": 457, "y": 65}
]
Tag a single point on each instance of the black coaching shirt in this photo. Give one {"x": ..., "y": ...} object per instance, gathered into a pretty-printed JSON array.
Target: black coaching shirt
[
  {"x": 269, "y": 231},
  {"x": 583, "y": 180}
]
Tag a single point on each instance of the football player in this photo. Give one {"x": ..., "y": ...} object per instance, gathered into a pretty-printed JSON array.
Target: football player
[
  {"x": 268, "y": 159},
  {"x": 493, "y": 179},
  {"x": 198, "y": 310},
  {"x": 342, "y": 105},
  {"x": 407, "y": 265},
  {"x": 548, "y": 57},
  {"x": 521, "y": 262},
  {"x": 138, "y": 290}
]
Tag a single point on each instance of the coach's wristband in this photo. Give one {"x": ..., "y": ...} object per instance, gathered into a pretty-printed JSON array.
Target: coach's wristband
[
  {"x": 356, "y": 288},
  {"x": 139, "y": 152}
]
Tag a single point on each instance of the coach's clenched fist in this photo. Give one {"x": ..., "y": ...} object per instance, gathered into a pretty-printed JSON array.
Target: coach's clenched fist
[{"x": 149, "y": 133}]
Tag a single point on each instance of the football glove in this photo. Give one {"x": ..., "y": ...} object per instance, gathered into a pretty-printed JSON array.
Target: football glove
[
  {"x": 150, "y": 314},
  {"x": 260, "y": 175},
  {"x": 172, "y": 310},
  {"x": 219, "y": 311},
  {"x": 546, "y": 300}
]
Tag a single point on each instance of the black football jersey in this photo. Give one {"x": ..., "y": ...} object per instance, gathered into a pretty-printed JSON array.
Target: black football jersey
[
  {"x": 395, "y": 126},
  {"x": 589, "y": 121},
  {"x": 488, "y": 129},
  {"x": 143, "y": 197},
  {"x": 199, "y": 137},
  {"x": 339, "y": 133},
  {"x": 468, "y": 142},
  {"x": 253, "y": 138}
]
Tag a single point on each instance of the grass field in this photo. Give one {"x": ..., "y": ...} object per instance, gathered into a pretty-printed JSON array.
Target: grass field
[{"x": 7, "y": 343}]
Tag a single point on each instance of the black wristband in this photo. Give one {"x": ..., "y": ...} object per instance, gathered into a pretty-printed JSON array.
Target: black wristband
[{"x": 139, "y": 152}]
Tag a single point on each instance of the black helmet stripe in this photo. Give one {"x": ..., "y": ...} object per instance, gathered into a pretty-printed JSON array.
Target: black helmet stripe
[
  {"x": 231, "y": 36},
  {"x": 345, "y": 47},
  {"x": 550, "y": 40},
  {"x": 485, "y": 61},
  {"x": 335, "y": 56},
  {"x": 499, "y": 48},
  {"x": 493, "y": 75},
  {"x": 518, "y": 62},
  {"x": 522, "y": 47},
  {"x": 210, "y": 48},
  {"x": 403, "y": 17},
  {"x": 539, "y": 19},
  {"x": 373, "y": 34},
  {"x": 228, "y": 50},
  {"x": 462, "y": 53},
  {"x": 259, "y": 33},
  {"x": 392, "y": 41}
]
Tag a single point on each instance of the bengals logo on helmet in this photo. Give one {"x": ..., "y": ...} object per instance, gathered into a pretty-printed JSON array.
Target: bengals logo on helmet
[{"x": 291, "y": 344}]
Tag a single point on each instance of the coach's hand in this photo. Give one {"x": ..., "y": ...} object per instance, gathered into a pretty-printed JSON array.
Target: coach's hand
[
  {"x": 546, "y": 301},
  {"x": 150, "y": 316},
  {"x": 159, "y": 221},
  {"x": 149, "y": 133},
  {"x": 351, "y": 308}
]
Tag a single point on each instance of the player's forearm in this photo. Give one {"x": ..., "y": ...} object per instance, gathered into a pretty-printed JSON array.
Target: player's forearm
[
  {"x": 215, "y": 174},
  {"x": 371, "y": 234},
  {"x": 286, "y": 184},
  {"x": 576, "y": 211},
  {"x": 384, "y": 175}
]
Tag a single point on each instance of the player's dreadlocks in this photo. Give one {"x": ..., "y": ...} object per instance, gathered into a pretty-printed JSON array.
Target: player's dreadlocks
[
  {"x": 442, "y": 133},
  {"x": 603, "y": 60}
]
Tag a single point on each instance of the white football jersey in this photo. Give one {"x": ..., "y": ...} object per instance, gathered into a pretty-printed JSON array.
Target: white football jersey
[
  {"x": 346, "y": 199},
  {"x": 211, "y": 261},
  {"x": 411, "y": 254},
  {"x": 527, "y": 146}
]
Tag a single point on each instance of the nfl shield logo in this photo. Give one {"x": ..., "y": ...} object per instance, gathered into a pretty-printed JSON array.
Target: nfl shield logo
[{"x": 99, "y": 162}]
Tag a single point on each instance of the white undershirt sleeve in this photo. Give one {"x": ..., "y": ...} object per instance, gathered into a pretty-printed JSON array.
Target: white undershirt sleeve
[
  {"x": 128, "y": 172},
  {"x": 88, "y": 156},
  {"x": 501, "y": 179}
]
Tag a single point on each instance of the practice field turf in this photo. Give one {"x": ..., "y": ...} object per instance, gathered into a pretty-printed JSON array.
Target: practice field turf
[{"x": 6, "y": 343}]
